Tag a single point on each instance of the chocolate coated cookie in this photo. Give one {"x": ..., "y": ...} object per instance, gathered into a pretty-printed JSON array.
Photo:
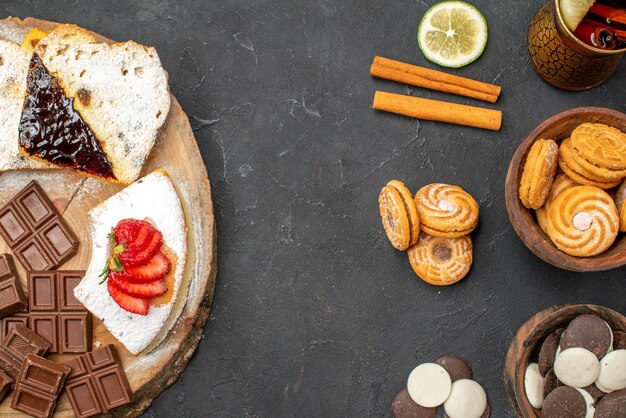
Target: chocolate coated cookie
[
  {"x": 612, "y": 405},
  {"x": 564, "y": 402},
  {"x": 456, "y": 367},
  {"x": 590, "y": 332},
  {"x": 403, "y": 406}
]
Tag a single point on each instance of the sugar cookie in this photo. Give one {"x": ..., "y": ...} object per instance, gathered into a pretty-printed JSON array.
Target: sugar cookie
[
  {"x": 446, "y": 210},
  {"x": 441, "y": 261},
  {"x": 600, "y": 149},
  {"x": 561, "y": 182},
  {"x": 399, "y": 215},
  {"x": 577, "y": 172},
  {"x": 538, "y": 174}
]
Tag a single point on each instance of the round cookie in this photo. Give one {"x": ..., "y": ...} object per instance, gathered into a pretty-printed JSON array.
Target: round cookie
[
  {"x": 533, "y": 385},
  {"x": 399, "y": 215},
  {"x": 577, "y": 172},
  {"x": 620, "y": 202},
  {"x": 403, "y": 406},
  {"x": 547, "y": 353},
  {"x": 446, "y": 211},
  {"x": 538, "y": 174},
  {"x": 429, "y": 385},
  {"x": 456, "y": 367},
  {"x": 577, "y": 367},
  {"x": 583, "y": 221},
  {"x": 612, "y": 405},
  {"x": 564, "y": 402},
  {"x": 467, "y": 400},
  {"x": 590, "y": 332},
  {"x": 550, "y": 382},
  {"x": 613, "y": 371},
  {"x": 600, "y": 149},
  {"x": 485, "y": 414},
  {"x": 561, "y": 182},
  {"x": 441, "y": 261}
]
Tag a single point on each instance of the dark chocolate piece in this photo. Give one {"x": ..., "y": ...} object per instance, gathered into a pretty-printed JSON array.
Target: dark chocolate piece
[
  {"x": 6, "y": 383},
  {"x": 35, "y": 231},
  {"x": 619, "y": 340},
  {"x": 587, "y": 331},
  {"x": 456, "y": 367},
  {"x": 547, "y": 353},
  {"x": 38, "y": 386},
  {"x": 564, "y": 402},
  {"x": 51, "y": 130},
  {"x": 8, "y": 321},
  {"x": 550, "y": 382},
  {"x": 97, "y": 383},
  {"x": 18, "y": 343},
  {"x": 12, "y": 298},
  {"x": 403, "y": 406},
  {"x": 612, "y": 405}
]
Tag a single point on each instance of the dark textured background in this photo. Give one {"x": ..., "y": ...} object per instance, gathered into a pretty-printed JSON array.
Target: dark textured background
[{"x": 315, "y": 313}]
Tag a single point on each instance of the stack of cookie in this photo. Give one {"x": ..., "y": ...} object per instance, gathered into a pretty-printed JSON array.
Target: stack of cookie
[
  {"x": 580, "y": 370},
  {"x": 434, "y": 227},
  {"x": 581, "y": 206}
]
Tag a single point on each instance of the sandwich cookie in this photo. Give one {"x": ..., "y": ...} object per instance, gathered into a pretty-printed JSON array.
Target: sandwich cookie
[
  {"x": 467, "y": 400},
  {"x": 539, "y": 170},
  {"x": 399, "y": 215},
  {"x": 456, "y": 367},
  {"x": 600, "y": 149},
  {"x": 612, "y": 371},
  {"x": 590, "y": 332},
  {"x": 533, "y": 385},
  {"x": 547, "y": 353},
  {"x": 577, "y": 172},
  {"x": 446, "y": 211},
  {"x": 583, "y": 221},
  {"x": 620, "y": 200},
  {"x": 441, "y": 261},
  {"x": 403, "y": 406},
  {"x": 564, "y": 402},
  {"x": 612, "y": 405},
  {"x": 561, "y": 182},
  {"x": 429, "y": 385},
  {"x": 577, "y": 367}
]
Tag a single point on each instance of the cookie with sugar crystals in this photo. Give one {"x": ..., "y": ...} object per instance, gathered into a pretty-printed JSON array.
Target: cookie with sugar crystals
[
  {"x": 583, "y": 221},
  {"x": 446, "y": 210},
  {"x": 399, "y": 215},
  {"x": 538, "y": 175},
  {"x": 441, "y": 261},
  {"x": 577, "y": 172}
]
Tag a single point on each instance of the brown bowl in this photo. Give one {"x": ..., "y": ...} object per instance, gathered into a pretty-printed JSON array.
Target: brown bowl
[
  {"x": 559, "y": 127},
  {"x": 528, "y": 340}
]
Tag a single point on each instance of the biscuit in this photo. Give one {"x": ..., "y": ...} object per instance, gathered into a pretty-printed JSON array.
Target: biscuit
[
  {"x": 577, "y": 172},
  {"x": 620, "y": 200},
  {"x": 601, "y": 149},
  {"x": 538, "y": 174},
  {"x": 561, "y": 182},
  {"x": 583, "y": 221},
  {"x": 441, "y": 261},
  {"x": 399, "y": 215},
  {"x": 446, "y": 211}
]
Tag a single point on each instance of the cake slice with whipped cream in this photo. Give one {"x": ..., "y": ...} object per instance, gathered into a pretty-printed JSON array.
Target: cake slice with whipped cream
[{"x": 138, "y": 255}]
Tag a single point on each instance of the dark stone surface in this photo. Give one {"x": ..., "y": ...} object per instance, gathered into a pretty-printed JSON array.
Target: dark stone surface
[{"x": 315, "y": 313}]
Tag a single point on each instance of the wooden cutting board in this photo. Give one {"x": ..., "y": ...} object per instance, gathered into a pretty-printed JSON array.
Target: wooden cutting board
[{"x": 176, "y": 151}]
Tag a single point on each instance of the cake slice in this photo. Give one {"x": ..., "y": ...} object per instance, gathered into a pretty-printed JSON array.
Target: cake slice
[
  {"x": 138, "y": 256},
  {"x": 101, "y": 106}
]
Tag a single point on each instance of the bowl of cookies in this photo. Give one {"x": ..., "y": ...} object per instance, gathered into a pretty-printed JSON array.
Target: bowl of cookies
[
  {"x": 568, "y": 361},
  {"x": 565, "y": 190}
]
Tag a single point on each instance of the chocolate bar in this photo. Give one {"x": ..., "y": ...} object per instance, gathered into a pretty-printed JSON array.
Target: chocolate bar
[
  {"x": 54, "y": 312},
  {"x": 38, "y": 386},
  {"x": 6, "y": 383},
  {"x": 35, "y": 231},
  {"x": 19, "y": 342},
  {"x": 97, "y": 383},
  {"x": 12, "y": 297}
]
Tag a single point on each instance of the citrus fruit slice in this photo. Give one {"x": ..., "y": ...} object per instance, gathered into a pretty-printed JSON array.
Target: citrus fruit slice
[
  {"x": 452, "y": 34},
  {"x": 573, "y": 11}
]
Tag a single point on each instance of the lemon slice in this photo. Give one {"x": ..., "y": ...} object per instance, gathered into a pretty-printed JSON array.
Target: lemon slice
[
  {"x": 573, "y": 11},
  {"x": 452, "y": 34}
]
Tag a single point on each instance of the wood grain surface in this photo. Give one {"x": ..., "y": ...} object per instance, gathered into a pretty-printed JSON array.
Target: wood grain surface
[
  {"x": 559, "y": 127},
  {"x": 176, "y": 150}
]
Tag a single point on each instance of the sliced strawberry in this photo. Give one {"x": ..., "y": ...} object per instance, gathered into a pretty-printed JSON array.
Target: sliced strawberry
[
  {"x": 127, "y": 302},
  {"x": 130, "y": 257},
  {"x": 156, "y": 268},
  {"x": 133, "y": 233},
  {"x": 144, "y": 290}
]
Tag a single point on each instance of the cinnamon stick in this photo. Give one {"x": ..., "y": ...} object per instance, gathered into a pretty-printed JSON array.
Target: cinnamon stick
[
  {"x": 436, "y": 110},
  {"x": 433, "y": 79}
]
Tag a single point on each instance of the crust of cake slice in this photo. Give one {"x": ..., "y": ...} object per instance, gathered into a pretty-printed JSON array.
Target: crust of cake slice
[
  {"x": 154, "y": 198},
  {"x": 120, "y": 90}
]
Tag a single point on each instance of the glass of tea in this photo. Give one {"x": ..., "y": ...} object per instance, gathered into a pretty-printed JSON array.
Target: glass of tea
[{"x": 583, "y": 57}]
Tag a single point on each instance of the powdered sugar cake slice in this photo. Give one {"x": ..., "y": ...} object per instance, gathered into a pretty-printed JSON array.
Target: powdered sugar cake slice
[{"x": 152, "y": 198}]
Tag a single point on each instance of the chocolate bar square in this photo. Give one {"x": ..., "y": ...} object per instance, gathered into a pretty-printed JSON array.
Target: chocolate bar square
[
  {"x": 42, "y": 291},
  {"x": 7, "y": 267},
  {"x": 67, "y": 281},
  {"x": 22, "y": 341},
  {"x": 5, "y": 385},
  {"x": 34, "y": 229},
  {"x": 84, "y": 397},
  {"x": 9, "y": 364},
  {"x": 9, "y": 321},
  {"x": 46, "y": 326},
  {"x": 74, "y": 339}
]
